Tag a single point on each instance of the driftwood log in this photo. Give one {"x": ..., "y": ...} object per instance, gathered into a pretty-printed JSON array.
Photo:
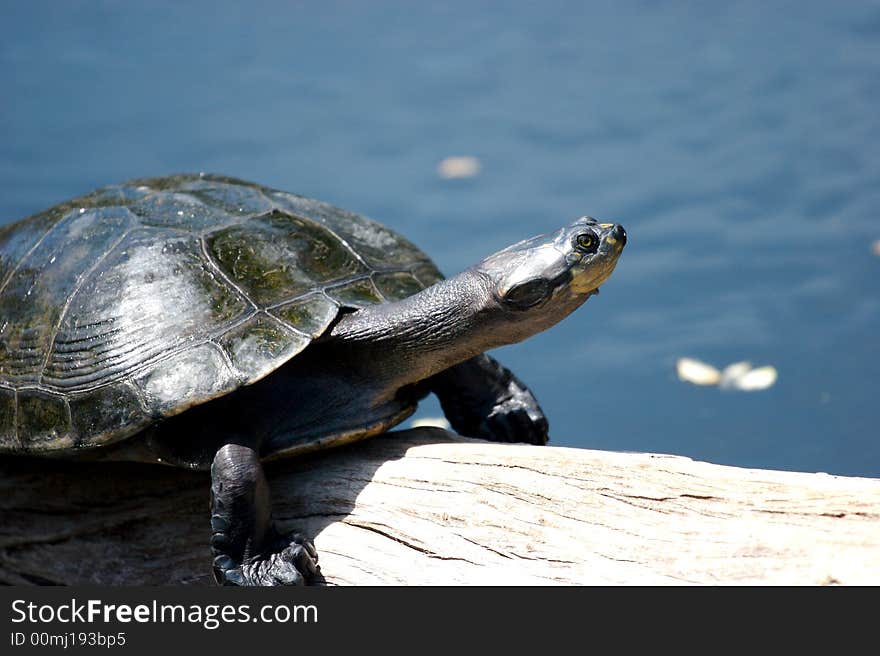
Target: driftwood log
[{"x": 428, "y": 507}]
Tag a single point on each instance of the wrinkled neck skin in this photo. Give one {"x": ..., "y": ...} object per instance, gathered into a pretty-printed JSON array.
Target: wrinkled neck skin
[
  {"x": 412, "y": 339},
  {"x": 415, "y": 338}
]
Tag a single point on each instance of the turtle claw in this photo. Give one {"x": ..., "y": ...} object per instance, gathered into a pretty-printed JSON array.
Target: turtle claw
[
  {"x": 516, "y": 420},
  {"x": 516, "y": 415},
  {"x": 295, "y": 563}
]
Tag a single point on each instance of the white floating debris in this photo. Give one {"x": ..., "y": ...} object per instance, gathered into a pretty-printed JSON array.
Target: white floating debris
[
  {"x": 436, "y": 422},
  {"x": 732, "y": 373},
  {"x": 875, "y": 248},
  {"x": 458, "y": 167},
  {"x": 737, "y": 376},
  {"x": 756, "y": 379},
  {"x": 696, "y": 372}
]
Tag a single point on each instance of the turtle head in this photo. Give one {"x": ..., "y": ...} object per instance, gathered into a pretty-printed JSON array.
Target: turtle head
[
  {"x": 538, "y": 282},
  {"x": 504, "y": 299}
]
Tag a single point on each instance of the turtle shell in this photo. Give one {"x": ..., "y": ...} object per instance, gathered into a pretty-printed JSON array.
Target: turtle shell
[{"x": 140, "y": 300}]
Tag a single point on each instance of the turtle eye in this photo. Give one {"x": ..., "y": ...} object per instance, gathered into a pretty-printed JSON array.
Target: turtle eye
[{"x": 587, "y": 242}]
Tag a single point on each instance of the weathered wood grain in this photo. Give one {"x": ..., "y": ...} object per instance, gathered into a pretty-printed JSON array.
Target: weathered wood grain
[{"x": 428, "y": 507}]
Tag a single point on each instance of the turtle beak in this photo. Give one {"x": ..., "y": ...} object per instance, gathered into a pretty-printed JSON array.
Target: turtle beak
[{"x": 616, "y": 236}]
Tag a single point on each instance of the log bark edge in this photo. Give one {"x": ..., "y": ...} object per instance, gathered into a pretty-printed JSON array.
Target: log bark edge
[{"x": 425, "y": 506}]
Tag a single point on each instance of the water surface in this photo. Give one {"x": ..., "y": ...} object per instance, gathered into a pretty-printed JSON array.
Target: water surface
[{"x": 737, "y": 144}]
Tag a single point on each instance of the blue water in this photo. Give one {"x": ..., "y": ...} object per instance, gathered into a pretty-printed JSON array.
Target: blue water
[{"x": 739, "y": 145}]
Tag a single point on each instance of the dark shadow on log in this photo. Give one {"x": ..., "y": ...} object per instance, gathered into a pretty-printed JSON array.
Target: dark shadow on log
[
  {"x": 119, "y": 523},
  {"x": 429, "y": 507}
]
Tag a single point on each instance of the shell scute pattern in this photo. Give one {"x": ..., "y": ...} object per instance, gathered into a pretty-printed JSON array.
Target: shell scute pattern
[
  {"x": 8, "y": 421},
  {"x": 275, "y": 256},
  {"x": 310, "y": 314},
  {"x": 171, "y": 298},
  {"x": 257, "y": 345},
  {"x": 376, "y": 245},
  {"x": 37, "y": 292},
  {"x": 140, "y": 300}
]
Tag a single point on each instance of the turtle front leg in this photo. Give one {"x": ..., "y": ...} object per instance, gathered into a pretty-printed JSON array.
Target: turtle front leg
[
  {"x": 482, "y": 398},
  {"x": 246, "y": 547}
]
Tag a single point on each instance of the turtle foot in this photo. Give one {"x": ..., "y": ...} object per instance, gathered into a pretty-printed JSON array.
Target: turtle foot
[
  {"x": 516, "y": 419},
  {"x": 481, "y": 398},
  {"x": 247, "y": 548},
  {"x": 295, "y": 562}
]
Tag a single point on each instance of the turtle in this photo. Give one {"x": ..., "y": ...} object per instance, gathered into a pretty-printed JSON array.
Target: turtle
[{"x": 211, "y": 323}]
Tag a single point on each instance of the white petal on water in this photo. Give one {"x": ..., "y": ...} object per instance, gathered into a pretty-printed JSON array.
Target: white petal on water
[
  {"x": 732, "y": 373},
  {"x": 737, "y": 376},
  {"x": 458, "y": 167},
  {"x": 757, "y": 379},
  {"x": 436, "y": 422},
  {"x": 696, "y": 372}
]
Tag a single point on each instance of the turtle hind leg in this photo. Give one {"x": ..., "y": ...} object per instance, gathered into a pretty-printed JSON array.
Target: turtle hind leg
[
  {"x": 246, "y": 547},
  {"x": 482, "y": 398}
]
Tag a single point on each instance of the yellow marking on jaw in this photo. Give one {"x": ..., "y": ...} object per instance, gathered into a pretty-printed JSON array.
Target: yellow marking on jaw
[
  {"x": 581, "y": 284},
  {"x": 606, "y": 225},
  {"x": 611, "y": 240}
]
